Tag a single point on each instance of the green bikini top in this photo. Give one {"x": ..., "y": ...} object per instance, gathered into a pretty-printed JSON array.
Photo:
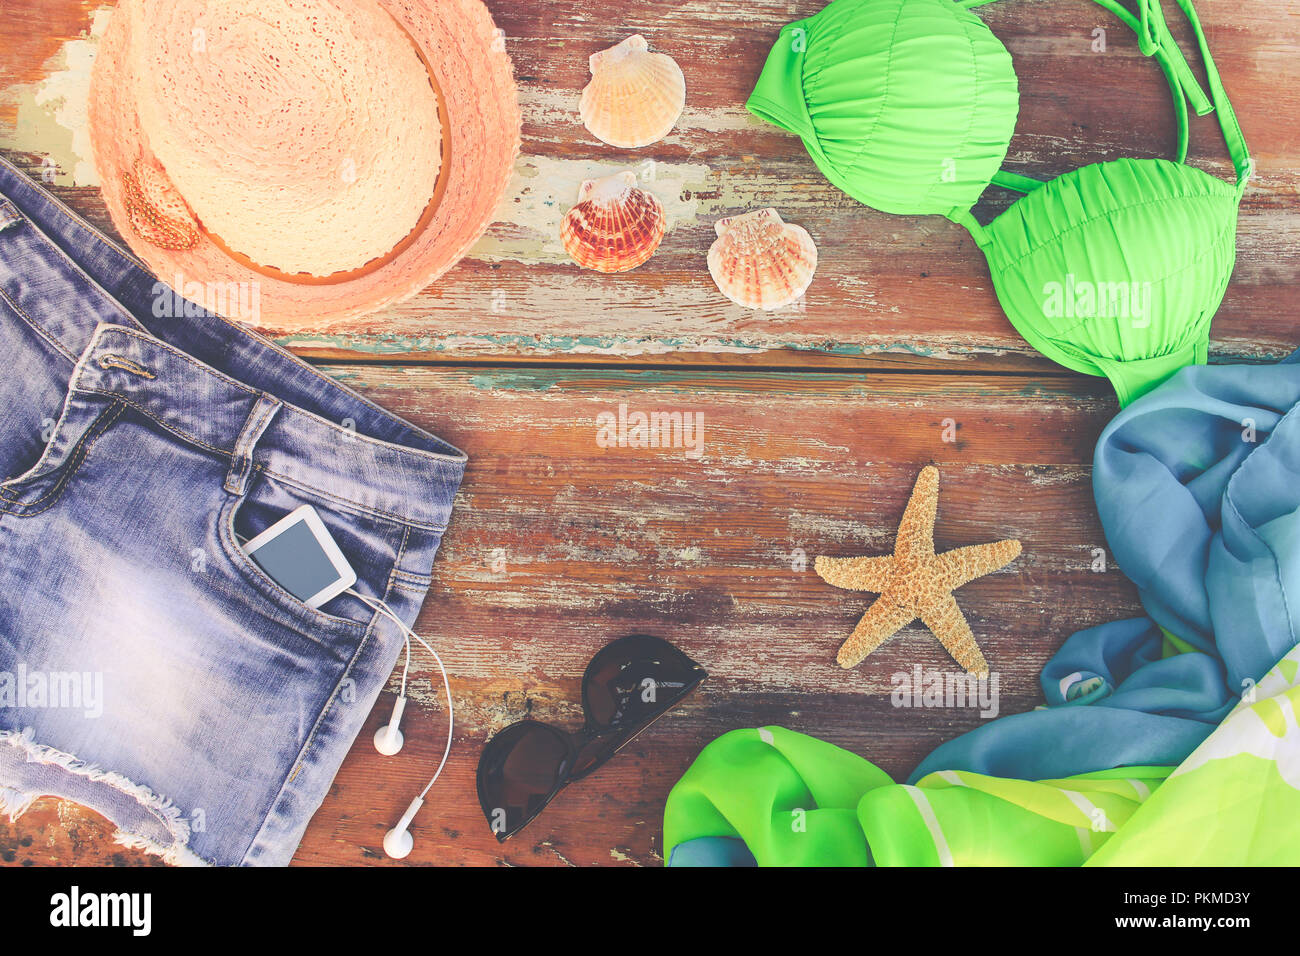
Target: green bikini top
[{"x": 1113, "y": 269}]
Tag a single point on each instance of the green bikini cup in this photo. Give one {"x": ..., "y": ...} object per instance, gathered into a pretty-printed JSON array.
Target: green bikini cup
[{"x": 1113, "y": 269}]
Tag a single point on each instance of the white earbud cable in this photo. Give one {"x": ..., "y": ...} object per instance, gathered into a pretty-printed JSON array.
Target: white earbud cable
[{"x": 407, "y": 633}]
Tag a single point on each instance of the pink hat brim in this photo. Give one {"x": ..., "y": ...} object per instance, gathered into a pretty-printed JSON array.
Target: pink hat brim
[{"x": 473, "y": 74}]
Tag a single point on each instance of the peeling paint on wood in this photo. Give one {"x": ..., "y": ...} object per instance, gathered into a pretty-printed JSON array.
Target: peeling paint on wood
[{"x": 48, "y": 115}]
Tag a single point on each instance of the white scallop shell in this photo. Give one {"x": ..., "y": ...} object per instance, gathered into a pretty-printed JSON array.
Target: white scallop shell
[
  {"x": 760, "y": 261},
  {"x": 634, "y": 97}
]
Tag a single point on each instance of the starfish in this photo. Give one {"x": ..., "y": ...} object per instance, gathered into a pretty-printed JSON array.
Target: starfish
[{"x": 914, "y": 582}]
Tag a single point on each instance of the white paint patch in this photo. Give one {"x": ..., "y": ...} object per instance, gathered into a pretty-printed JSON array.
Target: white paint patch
[
  {"x": 559, "y": 108},
  {"x": 686, "y": 556},
  {"x": 53, "y": 115},
  {"x": 543, "y": 190},
  {"x": 812, "y": 527},
  {"x": 1055, "y": 476}
]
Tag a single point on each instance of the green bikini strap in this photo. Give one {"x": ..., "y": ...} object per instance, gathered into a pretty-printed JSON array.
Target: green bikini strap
[
  {"x": 1155, "y": 39},
  {"x": 1232, "y": 134}
]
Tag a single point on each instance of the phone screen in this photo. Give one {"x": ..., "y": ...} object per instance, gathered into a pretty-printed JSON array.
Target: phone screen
[{"x": 297, "y": 562}]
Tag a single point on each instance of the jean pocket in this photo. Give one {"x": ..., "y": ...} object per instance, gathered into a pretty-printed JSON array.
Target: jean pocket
[
  {"x": 315, "y": 623},
  {"x": 69, "y": 443},
  {"x": 370, "y": 544}
]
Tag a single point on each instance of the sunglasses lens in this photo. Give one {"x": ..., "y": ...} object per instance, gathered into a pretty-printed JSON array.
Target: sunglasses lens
[
  {"x": 635, "y": 679},
  {"x": 520, "y": 771}
]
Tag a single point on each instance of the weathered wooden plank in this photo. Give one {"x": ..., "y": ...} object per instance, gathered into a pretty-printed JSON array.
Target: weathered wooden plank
[
  {"x": 559, "y": 544},
  {"x": 890, "y": 290}
]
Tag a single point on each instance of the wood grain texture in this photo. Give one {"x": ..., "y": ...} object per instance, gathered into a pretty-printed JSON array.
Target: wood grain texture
[{"x": 890, "y": 290}]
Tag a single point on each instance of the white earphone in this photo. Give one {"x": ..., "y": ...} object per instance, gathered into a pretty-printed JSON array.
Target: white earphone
[
  {"x": 398, "y": 841},
  {"x": 388, "y": 738}
]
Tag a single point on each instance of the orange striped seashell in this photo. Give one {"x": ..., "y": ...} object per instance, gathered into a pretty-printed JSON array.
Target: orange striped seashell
[
  {"x": 634, "y": 97},
  {"x": 760, "y": 261},
  {"x": 615, "y": 226}
]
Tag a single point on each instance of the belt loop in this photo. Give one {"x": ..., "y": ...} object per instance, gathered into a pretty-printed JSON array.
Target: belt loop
[{"x": 241, "y": 464}]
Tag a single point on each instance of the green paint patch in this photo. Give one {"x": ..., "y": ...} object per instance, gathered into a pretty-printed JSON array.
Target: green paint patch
[
  {"x": 394, "y": 344},
  {"x": 389, "y": 343},
  {"x": 513, "y": 381}
]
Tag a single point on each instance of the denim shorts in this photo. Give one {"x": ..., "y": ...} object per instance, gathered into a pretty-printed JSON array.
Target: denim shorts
[{"x": 148, "y": 668}]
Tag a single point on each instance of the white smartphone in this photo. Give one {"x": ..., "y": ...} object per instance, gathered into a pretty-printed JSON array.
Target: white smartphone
[{"x": 300, "y": 555}]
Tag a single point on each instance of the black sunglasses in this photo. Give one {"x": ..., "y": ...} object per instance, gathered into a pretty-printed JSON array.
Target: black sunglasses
[{"x": 629, "y": 684}]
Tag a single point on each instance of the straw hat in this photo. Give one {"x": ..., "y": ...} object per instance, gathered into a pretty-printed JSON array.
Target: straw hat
[{"x": 336, "y": 156}]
